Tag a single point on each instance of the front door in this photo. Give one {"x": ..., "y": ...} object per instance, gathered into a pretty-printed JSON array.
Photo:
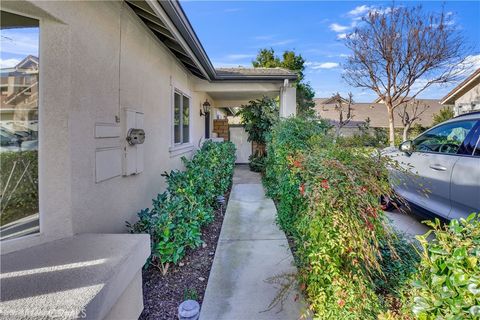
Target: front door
[{"x": 239, "y": 137}]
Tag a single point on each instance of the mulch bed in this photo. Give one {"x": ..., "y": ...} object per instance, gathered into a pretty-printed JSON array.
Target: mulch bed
[{"x": 163, "y": 294}]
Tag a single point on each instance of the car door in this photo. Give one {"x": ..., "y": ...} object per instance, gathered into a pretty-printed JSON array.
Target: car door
[
  {"x": 430, "y": 166},
  {"x": 465, "y": 186}
]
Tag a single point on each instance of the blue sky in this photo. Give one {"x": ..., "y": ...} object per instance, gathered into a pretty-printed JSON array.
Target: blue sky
[
  {"x": 232, "y": 32},
  {"x": 16, "y": 44}
]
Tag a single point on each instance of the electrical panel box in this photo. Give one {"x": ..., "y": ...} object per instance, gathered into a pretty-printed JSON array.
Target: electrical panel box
[{"x": 133, "y": 144}]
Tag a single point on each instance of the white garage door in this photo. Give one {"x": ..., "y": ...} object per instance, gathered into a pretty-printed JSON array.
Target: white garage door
[{"x": 244, "y": 147}]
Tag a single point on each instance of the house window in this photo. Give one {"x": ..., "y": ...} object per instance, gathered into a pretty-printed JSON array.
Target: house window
[
  {"x": 18, "y": 126},
  {"x": 181, "y": 118}
]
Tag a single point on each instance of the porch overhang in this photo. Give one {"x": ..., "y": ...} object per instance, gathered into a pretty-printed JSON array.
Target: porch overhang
[{"x": 234, "y": 94}]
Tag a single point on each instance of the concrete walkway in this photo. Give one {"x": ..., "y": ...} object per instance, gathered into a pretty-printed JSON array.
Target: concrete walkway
[{"x": 251, "y": 249}]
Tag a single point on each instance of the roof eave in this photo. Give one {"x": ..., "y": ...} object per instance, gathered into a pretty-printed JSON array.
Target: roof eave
[
  {"x": 178, "y": 17},
  {"x": 451, "y": 96}
]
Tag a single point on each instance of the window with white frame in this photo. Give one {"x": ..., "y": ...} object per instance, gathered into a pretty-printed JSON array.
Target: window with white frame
[
  {"x": 181, "y": 118},
  {"x": 19, "y": 70}
]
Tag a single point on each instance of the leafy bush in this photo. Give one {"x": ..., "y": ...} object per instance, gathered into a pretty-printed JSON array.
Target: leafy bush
[
  {"x": 397, "y": 267},
  {"x": 22, "y": 168},
  {"x": 258, "y": 116},
  {"x": 446, "y": 113},
  {"x": 286, "y": 141},
  {"x": 327, "y": 200},
  {"x": 177, "y": 215},
  {"x": 257, "y": 162},
  {"x": 447, "y": 284}
]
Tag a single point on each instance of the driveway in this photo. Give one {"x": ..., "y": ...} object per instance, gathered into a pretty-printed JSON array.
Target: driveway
[{"x": 407, "y": 222}]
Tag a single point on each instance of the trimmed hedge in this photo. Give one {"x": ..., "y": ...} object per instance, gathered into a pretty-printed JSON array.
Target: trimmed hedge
[
  {"x": 24, "y": 201},
  {"x": 177, "y": 215}
]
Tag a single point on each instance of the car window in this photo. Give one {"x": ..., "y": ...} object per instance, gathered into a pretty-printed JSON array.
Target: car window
[
  {"x": 470, "y": 143},
  {"x": 446, "y": 138},
  {"x": 476, "y": 151}
]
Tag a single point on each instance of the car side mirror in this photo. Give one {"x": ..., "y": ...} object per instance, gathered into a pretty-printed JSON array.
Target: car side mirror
[{"x": 407, "y": 147}]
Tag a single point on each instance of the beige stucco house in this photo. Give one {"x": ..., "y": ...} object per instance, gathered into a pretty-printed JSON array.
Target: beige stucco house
[
  {"x": 466, "y": 96},
  {"x": 105, "y": 67}
]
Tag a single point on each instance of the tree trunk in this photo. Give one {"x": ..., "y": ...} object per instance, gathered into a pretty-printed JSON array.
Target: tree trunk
[
  {"x": 391, "y": 127},
  {"x": 406, "y": 128}
]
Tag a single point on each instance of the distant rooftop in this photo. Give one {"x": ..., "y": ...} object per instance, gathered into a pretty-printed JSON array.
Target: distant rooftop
[{"x": 376, "y": 112}]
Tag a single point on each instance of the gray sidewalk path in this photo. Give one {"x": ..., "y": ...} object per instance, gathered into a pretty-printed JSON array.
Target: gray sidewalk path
[{"x": 251, "y": 250}]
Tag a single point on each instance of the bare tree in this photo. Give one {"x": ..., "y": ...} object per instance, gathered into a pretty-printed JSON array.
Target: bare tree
[
  {"x": 343, "y": 106},
  {"x": 410, "y": 113},
  {"x": 399, "y": 52}
]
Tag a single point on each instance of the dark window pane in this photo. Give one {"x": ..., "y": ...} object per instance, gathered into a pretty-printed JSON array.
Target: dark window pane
[
  {"x": 176, "y": 118},
  {"x": 18, "y": 126},
  {"x": 186, "y": 119},
  {"x": 477, "y": 148},
  {"x": 446, "y": 138}
]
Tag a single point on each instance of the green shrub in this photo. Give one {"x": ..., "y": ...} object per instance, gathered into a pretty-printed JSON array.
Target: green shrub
[
  {"x": 177, "y": 215},
  {"x": 327, "y": 196},
  {"x": 258, "y": 116},
  {"x": 397, "y": 267},
  {"x": 22, "y": 168},
  {"x": 257, "y": 162},
  {"x": 447, "y": 284},
  {"x": 444, "y": 114},
  {"x": 285, "y": 143}
]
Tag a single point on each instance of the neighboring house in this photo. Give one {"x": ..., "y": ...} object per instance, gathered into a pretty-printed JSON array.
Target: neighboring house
[
  {"x": 466, "y": 96},
  {"x": 105, "y": 67},
  {"x": 19, "y": 98},
  {"x": 376, "y": 112}
]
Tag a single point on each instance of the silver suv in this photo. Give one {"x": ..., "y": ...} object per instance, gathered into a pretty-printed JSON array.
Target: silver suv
[{"x": 445, "y": 161}]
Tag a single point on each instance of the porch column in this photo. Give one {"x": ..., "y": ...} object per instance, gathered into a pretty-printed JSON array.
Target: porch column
[{"x": 288, "y": 100}]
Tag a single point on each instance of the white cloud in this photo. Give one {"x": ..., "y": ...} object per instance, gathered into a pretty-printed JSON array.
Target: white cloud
[
  {"x": 338, "y": 27},
  {"x": 475, "y": 60},
  {"x": 239, "y": 56},
  {"x": 344, "y": 55},
  {"x": 8, "y": 63},
  {"x": 471, "y": 64},
  {"x": 341, "y": 36},
  {"x": 360, "y": 10},
  {"x": 20, "y": 42},
  {"x": 281, "y": 42},
  {"x": 264, "y": 37},
  {"x": 322, "y": 65}
]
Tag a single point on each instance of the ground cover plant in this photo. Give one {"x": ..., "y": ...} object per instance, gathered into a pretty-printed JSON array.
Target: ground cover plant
[
  {"x": 177, "y": 215},
  {"x": 327, "y": 202}
]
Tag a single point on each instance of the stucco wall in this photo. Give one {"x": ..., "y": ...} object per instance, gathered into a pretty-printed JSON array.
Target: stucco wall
[
  {"x": 473, "y": 95},
  {"x": 95, "y": 59}
]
